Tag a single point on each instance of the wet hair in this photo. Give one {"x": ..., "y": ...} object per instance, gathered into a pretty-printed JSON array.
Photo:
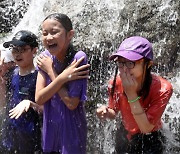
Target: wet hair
[
  {"x": 114, "y": 81},
  {"x": 67, "y": 24},
  {"x": 145, "y": 85},
  {"x": 70, "y": 55},
  {"x": 63, "y": 19},
  {"x": 147, "y": 79}
]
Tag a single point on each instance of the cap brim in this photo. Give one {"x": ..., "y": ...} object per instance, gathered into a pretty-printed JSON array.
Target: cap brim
[
  {"x": 15, "y": 43},
  {"x": 127, "y": 54}
]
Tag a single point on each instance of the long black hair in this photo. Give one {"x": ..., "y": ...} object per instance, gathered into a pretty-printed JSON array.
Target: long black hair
[
  {"x": 146, "y": 83},
  {"x": 147, "y": 79},
  {"x": 67, "y": 24}
]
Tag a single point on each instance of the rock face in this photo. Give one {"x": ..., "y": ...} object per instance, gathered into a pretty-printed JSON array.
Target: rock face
[
  {"x": 159, "y": 23},
  {"x": 103, "y": 25},
  {"x": 11, "y": 12},
  {"x": 100, "y": 27},
  {"x": 156, "y": 20}
]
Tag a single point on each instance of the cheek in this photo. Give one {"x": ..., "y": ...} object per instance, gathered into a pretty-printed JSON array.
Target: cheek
[
  {"x": 43, "y": 38},
  {"x": 137, "y": 72},
  {"x": 13, "y": 55},
  {"x": 61, "y": 41},
  {"x": 60, "y": 37}
]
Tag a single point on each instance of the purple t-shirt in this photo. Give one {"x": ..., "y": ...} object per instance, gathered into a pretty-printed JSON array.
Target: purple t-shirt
[{"x": 65, "y": 130}]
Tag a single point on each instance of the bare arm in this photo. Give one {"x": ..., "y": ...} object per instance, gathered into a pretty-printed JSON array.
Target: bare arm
[
  {"x": 45, "y": 93},
  {"x": 71, "y": 103},
  {"x": 36, "y": 107},
  {"x": 140, "y": 116},
  {"x": 22, "y": 107},
  {"x": 130, "y": 87},
  {"x": 45, "y": 63}
]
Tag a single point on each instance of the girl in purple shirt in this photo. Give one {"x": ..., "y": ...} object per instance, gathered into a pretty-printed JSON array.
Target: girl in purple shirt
[{"x": 64, "y": 121}]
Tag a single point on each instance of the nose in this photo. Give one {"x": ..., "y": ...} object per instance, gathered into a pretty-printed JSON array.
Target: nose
[
  {"x": 124, "y": 66},
  {"x": 49, "y": 37}
]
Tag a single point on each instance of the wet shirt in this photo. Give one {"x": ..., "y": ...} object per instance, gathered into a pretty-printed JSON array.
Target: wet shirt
[
  {"x": 154, "y": 105},
  {"x": 65, "y": 130},
  {"x": 22, "y": 135}
]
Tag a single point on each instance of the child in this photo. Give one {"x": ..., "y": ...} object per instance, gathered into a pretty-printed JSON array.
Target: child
[
  {"x": 140, "y": 96},
  {"x": 21, "y": 130},
  {"x": 64, "y": 121}
]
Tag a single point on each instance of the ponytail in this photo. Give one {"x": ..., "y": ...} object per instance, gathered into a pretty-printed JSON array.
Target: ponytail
[
  {"x": 114, "y": 82},
  {"x": 147, "y": 80}
]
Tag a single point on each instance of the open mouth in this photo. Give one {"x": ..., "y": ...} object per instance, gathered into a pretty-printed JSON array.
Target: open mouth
[
  {"x": 18, "y": 59},
  {"x": 52, "y": 46}
]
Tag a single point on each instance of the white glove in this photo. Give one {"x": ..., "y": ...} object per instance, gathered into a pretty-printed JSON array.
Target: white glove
[{"x": 19, "y": 109}]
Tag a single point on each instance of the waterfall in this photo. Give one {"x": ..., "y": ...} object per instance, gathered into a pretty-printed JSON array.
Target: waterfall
[{"x": 99, "y": 27}]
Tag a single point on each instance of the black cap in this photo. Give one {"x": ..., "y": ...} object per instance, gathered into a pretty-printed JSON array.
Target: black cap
[{"x": 23, "y": 38}]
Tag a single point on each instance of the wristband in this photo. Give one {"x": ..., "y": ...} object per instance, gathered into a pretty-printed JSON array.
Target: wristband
[{"x": 134, "y": 100}]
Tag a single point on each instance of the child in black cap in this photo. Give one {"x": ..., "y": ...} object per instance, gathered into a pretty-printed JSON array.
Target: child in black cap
[{"x": 21, "y": 129}]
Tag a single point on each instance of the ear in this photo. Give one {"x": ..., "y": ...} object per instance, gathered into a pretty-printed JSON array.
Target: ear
[
  {"x": 71, "y": 34},
  {"x": 34, "y": 51},
  {"x": 150, "y": 64}
]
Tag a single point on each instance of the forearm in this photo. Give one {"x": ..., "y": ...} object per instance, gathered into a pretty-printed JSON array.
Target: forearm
[
  {"x": 63, "y": 93},
  {"x": 44, "y": 93},
  {"x": 36, "y": 107},
  {"x": 52, "y": 74},
  {"x": 71, "y": 103},
  {"x": 47, "y": 92},
  {"x": 140, "y": 117}
]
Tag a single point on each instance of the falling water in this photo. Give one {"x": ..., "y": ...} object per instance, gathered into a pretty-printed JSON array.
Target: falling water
[{"x": 100, "y": 26}]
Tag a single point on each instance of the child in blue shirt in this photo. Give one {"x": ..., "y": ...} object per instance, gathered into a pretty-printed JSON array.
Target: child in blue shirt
[{"x": 21, "y": 130}]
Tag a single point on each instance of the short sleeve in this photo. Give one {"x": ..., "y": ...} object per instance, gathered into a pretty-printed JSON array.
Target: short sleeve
[
  {"x": 78, "y": 88},
  {"x": 47, "y": 53},
  {"x": 159, "y": 100}
]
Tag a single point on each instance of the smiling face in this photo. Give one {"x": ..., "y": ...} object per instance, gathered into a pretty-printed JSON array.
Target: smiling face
[
  {"x": 55, "y": 38},
  {"x": 23, "y": 56}
]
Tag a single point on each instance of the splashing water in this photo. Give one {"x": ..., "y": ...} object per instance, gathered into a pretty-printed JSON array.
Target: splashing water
[{"x": 100, "y": 27}]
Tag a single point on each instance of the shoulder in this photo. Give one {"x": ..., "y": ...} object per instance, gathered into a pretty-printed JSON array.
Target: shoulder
[
  {"x": 161, "y": 85},
  {"x": 46, "y": 52},
  {"x": 158, "y": 81},
  {"x": 80, "y": 54}
]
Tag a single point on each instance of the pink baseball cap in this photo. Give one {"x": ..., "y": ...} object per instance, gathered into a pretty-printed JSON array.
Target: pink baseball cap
[{"x": 134, "y": 48}]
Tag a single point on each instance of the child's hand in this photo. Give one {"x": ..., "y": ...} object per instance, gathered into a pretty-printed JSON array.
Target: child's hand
[
  {"x": 129, "y": 83},
  {"x": 45, "y": 62},
  {"x": 19, "y": 109},
  {"x": 102, "y": 112},
  {"x": 4, "y": 68},
  {"x": 73, "y": 72}
]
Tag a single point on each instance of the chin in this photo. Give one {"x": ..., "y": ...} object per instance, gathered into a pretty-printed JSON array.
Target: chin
[{"x": 52, "y": 51}]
